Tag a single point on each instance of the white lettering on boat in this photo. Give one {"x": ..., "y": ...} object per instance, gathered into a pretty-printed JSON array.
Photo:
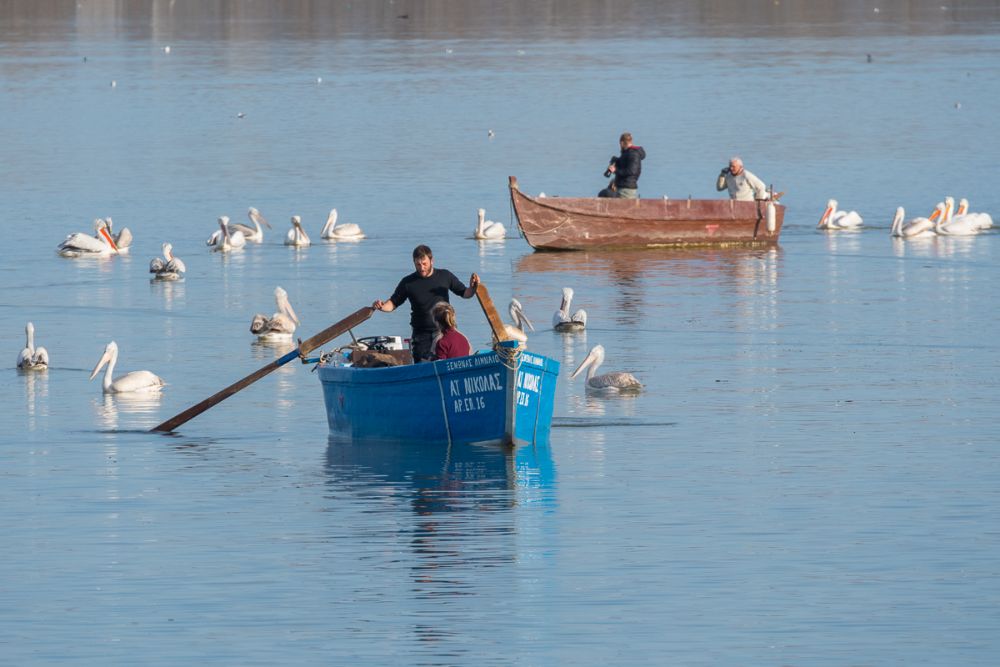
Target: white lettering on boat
[
  {"x": 528, "y": 381},
  {"x": 480, "y": 383},
  {"x": 532, "y": 359},
  {"x": 475, "y": 361},
  {"x": 469, "y": 404}
]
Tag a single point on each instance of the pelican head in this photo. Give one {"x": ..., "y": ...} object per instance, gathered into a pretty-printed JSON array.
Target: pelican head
[
  {"x": 831, "y": 208},
  {"x": 595, "y": 358},
  {"x": 256, "y": 217},
  {"x": 284, "y": 305},
  {"x": 224, "y": 222},
  {"x": 938, "y": 211},
  {"x": 949, "y": 207},
  {"x": 897, "y": 221},
  {"x": 518, "y": 317},
  {"x": 963, "y": 206},
  {"x": 167, "y": 249},
  {"x": 110, "y": 354}
]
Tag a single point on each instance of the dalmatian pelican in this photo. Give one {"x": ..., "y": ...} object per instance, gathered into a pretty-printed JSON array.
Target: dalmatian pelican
[
  {"x": 280, "y": 326},
  {"x": 130, "y": 382},
  {"x": 32, "y": 358},
  {"x": 613, "y": 381}
]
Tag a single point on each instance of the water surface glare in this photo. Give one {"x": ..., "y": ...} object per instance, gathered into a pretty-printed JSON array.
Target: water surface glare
[{"x": 810, "y": 476}]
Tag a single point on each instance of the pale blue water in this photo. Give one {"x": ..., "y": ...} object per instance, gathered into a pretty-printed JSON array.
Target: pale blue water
[{"x": 810, "y": 477}]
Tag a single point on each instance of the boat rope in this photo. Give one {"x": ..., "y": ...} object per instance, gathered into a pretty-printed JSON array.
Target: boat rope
[
  {"x": 512, "y": 217},
  {"x": 549, "y": 231},
  {"x": 510, "y": 357}
]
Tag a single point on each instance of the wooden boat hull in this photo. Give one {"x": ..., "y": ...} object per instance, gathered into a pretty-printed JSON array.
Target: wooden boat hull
[
  {"x": 564, "y": 223},
  {"x": 475, "y": 399}
]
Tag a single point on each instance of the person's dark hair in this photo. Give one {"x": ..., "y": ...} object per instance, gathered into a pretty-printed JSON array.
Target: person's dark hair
[
  {"x": 422, "y": 251},
  {"x": 444, "y": 316},
  {"x": 626, "y": 136}
]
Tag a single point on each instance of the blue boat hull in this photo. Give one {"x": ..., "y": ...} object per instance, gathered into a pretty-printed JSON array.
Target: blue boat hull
[{"x": 476, "y": 399}]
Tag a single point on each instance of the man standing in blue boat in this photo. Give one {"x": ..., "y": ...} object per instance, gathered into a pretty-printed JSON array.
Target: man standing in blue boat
[
  {"x": 626, "y": 168},
  {"x": 424, "y": 288}
]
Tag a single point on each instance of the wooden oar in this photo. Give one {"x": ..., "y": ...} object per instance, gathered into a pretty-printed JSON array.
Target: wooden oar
[
  {"x": 492, "y": 316},
  {"x": 304, "y": 348}
]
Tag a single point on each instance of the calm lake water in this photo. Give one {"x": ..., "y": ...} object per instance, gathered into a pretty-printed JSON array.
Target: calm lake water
[{"x": 811, "y": 476}]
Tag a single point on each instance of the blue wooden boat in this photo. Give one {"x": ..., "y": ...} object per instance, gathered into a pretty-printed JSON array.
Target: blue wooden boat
[{"x": 484, "y": 398}]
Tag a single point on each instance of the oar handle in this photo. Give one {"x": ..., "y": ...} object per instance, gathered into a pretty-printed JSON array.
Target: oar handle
[
  {"x": 304, "y": 348},
  {"x": 492, "y": 316}
]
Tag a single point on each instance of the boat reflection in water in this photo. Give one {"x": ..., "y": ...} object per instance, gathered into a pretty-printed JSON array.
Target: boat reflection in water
[
  {"x": 736, "y": 270},
  {"x": 456, "y": 508},
  {"x": 438, "y": 476}
]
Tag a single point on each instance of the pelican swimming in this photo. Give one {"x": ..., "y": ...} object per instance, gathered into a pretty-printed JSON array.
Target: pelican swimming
[
  {"x": 227, "y": 241},
  {"x": 616, "y": 380},
  {"x": 561, "y": 320},
  {"x": 81, "y": 244},
  {"x": 134, "y": 381},
  {"x": 280, "y": 326},
  {"x": 168, "y": 268},
  {"x": 297, "y": 236},
  {"x": 515, "y": 331},
  {"x": 252, "y": 234},
  {"x": 834, "y": 219},
  {"x": 985, "y": 220},
  {"x": 32, "y": 358},
  {"x": 917, "y": 227},
  {"x": 487, "y": 229},
  {"x": 963, "y": 225},
  {"x": 348, "y": 231},
  {"x": 123, "y": 239}
]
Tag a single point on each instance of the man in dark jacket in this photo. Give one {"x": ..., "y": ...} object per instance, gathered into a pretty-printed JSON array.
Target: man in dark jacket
[{"x": 626, "y": 167}]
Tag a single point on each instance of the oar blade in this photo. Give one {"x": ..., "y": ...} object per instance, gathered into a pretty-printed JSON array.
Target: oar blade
[{"x": 304, "y": 348}]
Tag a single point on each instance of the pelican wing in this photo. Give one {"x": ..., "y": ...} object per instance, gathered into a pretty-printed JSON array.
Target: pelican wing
[
  {"x": 41, "y": 357},
  {"x": 123, "y": 239},
  {"x": 156, "y": 265},
  {"x": 175, "y": 265},
  {"x": 84, "y": 243},
  {"x": 615, "y": 380},
  {"x": 280, "y": 323},
  {"x": 137, "y": 381}
]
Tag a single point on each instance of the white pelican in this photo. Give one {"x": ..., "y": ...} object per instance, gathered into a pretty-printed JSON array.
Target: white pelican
[
  {"x": 85, "y": 245},
  {"x": 32, "y": 358},
  {"x": 834, "y": 219},
  {"x": 252, "y": 234},
  {"x": 123, "y": 239},
  {"x": 348, "y": 231},
  {"x": 985, "y": 219},
  {"x": 917, "y": 227},
  {"x": 617, "y": 380},
  {"x": 168, "y": 268},
  {"x": 963, "y": 225},
  {"x": 562, "y": 321},
  {"x": 515, "y": 331},
  {"x": 280, "y": 326},
  {"x": 487, "y": 229},
  {"x": 227, "y": 241},
  {"x": 297, "y": 236},
  {"x": 134, "y": 381}
]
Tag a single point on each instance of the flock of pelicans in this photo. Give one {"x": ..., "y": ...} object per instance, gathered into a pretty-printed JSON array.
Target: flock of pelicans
[
  {"x": 945, "y": 220},
  {"x": 281, "y": 325}
]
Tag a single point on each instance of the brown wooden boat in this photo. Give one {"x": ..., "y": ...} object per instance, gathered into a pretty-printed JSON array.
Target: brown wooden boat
[{"x": 579, "y": 223}]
